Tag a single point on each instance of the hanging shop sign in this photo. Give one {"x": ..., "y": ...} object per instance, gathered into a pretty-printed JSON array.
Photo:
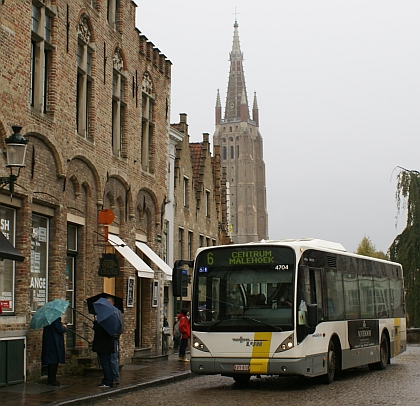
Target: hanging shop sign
[{"x": 108, "y": 266}]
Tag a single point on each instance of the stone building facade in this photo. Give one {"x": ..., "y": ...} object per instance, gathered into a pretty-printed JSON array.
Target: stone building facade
[
  {"x": 93, "y": 97},
  {"x": 241, "y": 144}
]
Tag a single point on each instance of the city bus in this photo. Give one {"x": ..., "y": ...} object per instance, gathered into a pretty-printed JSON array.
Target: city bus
[{"x": 292, "y": 307}]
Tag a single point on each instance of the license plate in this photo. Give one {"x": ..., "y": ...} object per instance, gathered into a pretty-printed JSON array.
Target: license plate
[{"x": 241, "y": 367}]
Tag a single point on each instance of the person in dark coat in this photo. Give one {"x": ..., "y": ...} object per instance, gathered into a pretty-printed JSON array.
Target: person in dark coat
[
  {"x": 115, "y": 364},
  {"x": 103, "y": 345},
  {"x": 53, "y": 352}
]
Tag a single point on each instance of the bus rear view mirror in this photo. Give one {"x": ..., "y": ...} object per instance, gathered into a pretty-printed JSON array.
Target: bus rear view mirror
[
  {"x": 177, "y": 275},
  {"x": 312, "y": 315}
]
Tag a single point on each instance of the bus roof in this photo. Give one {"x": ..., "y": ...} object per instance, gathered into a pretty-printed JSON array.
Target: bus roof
[{"x": 308, "y": 242}]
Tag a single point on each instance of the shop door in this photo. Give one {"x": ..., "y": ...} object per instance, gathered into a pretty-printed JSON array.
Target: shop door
[
  {"x": 138, "y": 332},
  {"x": 12, "y": 370}
]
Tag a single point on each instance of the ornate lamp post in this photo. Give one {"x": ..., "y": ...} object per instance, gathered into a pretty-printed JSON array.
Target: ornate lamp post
[{"x": 16, "y": 146}]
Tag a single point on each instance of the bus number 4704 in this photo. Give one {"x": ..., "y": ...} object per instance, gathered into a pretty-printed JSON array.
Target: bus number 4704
[{"x": 281, "y": 267}]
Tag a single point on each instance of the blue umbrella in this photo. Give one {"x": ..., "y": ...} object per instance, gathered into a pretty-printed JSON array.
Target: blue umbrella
[
  {"x": 107, "y": 316},
  {"x": 48, "y": 313}
]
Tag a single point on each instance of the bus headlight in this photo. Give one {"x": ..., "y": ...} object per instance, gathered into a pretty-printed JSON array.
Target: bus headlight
[
  {"x": 198, "y": 344},
  {"x": 287, "y": 344}
]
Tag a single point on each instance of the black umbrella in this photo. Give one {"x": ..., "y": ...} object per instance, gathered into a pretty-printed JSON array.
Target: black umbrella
[{"x": 118, "y": 302}]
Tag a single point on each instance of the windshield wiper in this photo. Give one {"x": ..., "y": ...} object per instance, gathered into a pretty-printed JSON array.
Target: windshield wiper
[{"x": 262, "y": 322}]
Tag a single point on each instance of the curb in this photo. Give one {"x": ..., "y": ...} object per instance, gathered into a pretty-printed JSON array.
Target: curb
[{"x": 126, "y": 389}]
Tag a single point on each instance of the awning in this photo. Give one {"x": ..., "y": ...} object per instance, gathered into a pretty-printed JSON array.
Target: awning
[
  {"x": 161, "y": 264},
  {"x": 8, "y": 251},
  {"x": 143, "y": 270}
]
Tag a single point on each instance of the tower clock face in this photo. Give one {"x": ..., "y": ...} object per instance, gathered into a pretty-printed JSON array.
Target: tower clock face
[{"x": 232, "y": 105}]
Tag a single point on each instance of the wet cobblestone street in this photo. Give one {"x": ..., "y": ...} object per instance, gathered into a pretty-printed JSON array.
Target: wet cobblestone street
[{"x": 399, "y": 384}]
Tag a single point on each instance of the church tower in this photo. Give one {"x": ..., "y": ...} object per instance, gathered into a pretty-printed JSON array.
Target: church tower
[{"x": 242, "y": 155}]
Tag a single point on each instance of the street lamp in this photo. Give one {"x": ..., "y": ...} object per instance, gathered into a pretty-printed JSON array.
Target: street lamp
[{"x": 16, "y": 146}]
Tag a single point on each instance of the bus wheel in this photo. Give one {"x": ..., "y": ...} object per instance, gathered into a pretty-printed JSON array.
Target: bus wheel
[
  {"x": 331, "y": 364},
  {"x": 241, "y": 379},
  {"x": 384, "y": 355}
]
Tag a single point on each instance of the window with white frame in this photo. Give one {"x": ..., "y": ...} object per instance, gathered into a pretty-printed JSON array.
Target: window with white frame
[{"x": 41, "y": 57}]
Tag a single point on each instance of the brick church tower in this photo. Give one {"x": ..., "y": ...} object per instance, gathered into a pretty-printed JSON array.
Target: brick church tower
[{"x": 242, "y": 154}]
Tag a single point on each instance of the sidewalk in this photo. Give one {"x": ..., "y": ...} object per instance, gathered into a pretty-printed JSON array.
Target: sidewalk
[{"x": 83, "y": 389}]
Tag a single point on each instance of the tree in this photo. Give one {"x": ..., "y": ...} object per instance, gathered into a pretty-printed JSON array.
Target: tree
[
  {"x": 367, "y": 248},
  {"x": 406, "y": 247}
]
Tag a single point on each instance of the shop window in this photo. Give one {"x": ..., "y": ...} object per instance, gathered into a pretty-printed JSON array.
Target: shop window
[
  {"x": 7, "y": 266},
  {"x": 38, "y": 289}
]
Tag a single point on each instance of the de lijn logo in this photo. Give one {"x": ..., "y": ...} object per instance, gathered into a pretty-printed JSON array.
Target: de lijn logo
[{"x": 248, "y": 342}]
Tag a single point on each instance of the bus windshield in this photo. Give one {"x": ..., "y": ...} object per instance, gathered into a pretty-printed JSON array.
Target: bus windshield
[{"x": 244, "y": 288}]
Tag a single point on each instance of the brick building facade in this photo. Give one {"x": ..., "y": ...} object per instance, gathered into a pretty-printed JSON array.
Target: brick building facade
[
  {"x": 93, "y": 97},
  {"x": 199, "y": 199}
]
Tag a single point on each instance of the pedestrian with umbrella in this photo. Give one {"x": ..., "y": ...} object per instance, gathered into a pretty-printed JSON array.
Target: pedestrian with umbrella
[
  {"x": 115, "y": 364},
  {"x": 106, "y": 325},
  {"x": 53, "y": 352}
]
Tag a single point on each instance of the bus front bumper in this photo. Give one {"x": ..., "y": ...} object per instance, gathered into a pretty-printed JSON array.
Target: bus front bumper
[{"x": 308, "y": 366}]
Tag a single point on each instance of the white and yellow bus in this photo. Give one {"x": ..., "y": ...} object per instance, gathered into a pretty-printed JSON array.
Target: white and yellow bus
[{"x": 293, "y": 307}]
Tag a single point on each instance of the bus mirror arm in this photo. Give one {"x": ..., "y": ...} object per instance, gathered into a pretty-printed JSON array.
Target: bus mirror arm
[{"x": 312, "y": 315}]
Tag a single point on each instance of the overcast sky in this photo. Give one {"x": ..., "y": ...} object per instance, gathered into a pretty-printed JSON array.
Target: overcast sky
[{"x": 337, "y": 85}]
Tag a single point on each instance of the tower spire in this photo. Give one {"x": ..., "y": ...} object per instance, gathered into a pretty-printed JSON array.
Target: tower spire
[
  {"x": 236, "y": 84},
  {"x": 218, "y": 108},
  {"x": 255, "y": 111}
]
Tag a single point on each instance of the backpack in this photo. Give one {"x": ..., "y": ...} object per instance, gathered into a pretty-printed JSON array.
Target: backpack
[{"x": 177, "y": 332}]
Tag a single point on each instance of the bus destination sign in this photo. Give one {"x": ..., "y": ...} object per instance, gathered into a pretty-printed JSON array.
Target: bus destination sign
[{"x": 280, "y": 258}]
